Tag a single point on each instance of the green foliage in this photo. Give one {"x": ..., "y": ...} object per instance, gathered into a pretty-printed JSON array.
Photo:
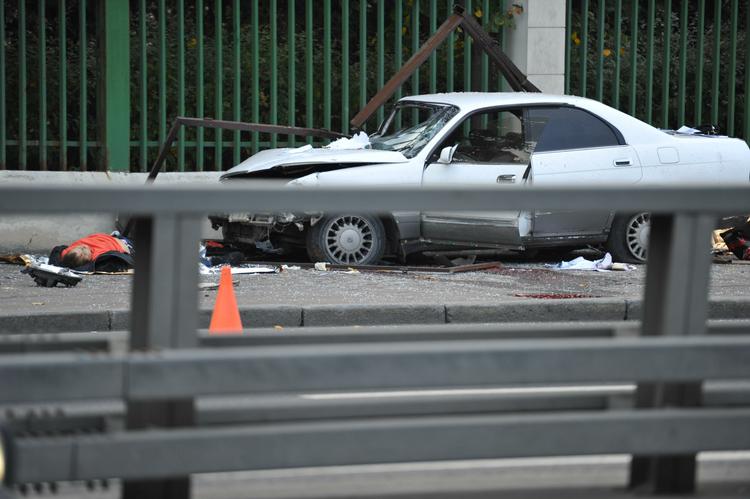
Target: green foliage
[{"x": 633, "y": 87}]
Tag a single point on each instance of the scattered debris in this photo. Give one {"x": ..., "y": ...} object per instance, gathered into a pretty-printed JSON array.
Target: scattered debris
[
  {"x": 604, "y": 264},
  {"x": 358, "y": 141},
  {"x": 240, "y": 269},
  {"x": 321, "y": 266},
  {"x": 50, "y": 276},
  {"x": 553, "y": 296},
  {"x": 290, "y": 267},
  {"x": 14, "y": 259}
]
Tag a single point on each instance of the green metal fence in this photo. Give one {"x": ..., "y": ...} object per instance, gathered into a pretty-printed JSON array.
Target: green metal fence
[
  {"x": 667, "y": 62},
  {"x": 47, "y": 84},
  {"x": 105, "y": 78},
  {"x": 94, "y": 84}
]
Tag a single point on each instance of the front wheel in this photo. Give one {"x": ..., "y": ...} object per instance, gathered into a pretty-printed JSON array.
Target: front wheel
[
  {"x": 628, "y": 237},
  {"x": 347, "y": 239}
]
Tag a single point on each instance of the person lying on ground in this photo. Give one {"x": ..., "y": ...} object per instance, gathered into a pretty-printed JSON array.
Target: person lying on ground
[
  {"x": 114, "y": 253},
  {"x": 95, "y": 253}
]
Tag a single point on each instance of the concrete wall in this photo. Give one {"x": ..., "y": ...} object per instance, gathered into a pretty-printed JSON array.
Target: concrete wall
[
  {"x": 39, "y": 233},
  {"x": 537, "y": 44}
]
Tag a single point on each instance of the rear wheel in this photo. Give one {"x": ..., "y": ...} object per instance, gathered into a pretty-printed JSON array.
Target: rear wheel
[
  {"x": 628, "y": 237},
  {"x": 347, "y": 239}
]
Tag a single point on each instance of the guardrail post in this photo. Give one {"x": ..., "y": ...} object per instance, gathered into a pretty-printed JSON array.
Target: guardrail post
[
  {"x": 164, "y": 315},
  {"x": 675, "y": 303},
  {"x": 114, "y": 84}
]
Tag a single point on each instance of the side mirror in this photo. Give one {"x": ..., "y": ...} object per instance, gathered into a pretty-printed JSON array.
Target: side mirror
[{"x": 446, "y": 155}]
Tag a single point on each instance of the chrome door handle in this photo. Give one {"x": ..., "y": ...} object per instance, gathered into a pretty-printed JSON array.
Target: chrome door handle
[
  {"x": 503, "y": 179},
  {"x": 623, "y": 162}
]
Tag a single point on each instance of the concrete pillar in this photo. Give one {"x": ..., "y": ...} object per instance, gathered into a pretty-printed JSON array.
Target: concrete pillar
[{"x": 537, "y": 44}]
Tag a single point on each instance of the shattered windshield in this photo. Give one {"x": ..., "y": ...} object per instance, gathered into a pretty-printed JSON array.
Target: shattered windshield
[{"x": 410, "y": 126}]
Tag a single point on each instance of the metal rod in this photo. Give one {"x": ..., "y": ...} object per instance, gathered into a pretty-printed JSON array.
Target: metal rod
[
  {"x": 42, "y": 86},
  {"x": 309, "y": 82},
  {"x": 143, "y": 83},
  {"x": 600, "y": 35},
  {"x": 406, "y": 70},
  {"x": 345, "y": 99},
  {"x": 326, "y": 65},
  {"x": 634, "y": 30},
  {"x": 199, "y": 70},
  {"x": 617, "y": 54},
  {"x": 255, "y": 61},
  {"x": 236, "y": 79},
  {"x": 162, "y": 14},
  {"x": 682, "y": 79},
  {"x": 181, "y": 81},
  {"x": 716, "y": 65},
  {"x": 3, "y": 103},
  {"x": 273, "y": 117},
  {"x": 83, "y": 95},
  {"x": 731, "y": 79},
  {"x": 699, "y": 64},
  {"x": 584, "y": 47},
  {"x": 650, "y": 60},
  {"x": 292, "y": 68},
  {"x": 667, "y": 62},
  {"x": 218, "y": 82},
  {"x": 63, "y": 97}
]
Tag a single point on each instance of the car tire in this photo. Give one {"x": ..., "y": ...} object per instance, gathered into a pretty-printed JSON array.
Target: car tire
[
  {"x": 347, "y": 239},
  {"x": 628, "y": 237}
]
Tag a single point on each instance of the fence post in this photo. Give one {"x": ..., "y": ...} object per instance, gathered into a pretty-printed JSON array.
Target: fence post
[
  {"x": 163, "y": 316},
  {"x": 114, "y": 84},
  {"x": 675, "y": 303}
]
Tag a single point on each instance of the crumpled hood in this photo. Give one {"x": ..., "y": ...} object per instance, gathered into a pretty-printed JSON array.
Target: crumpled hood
[{"x": 282, "y": 158}]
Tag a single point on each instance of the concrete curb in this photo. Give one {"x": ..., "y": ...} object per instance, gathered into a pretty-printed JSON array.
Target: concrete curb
[{"x": 594, "y": 309}]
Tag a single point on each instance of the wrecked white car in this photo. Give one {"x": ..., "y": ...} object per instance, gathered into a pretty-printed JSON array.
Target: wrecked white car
[{"x": 483, "y": 139}]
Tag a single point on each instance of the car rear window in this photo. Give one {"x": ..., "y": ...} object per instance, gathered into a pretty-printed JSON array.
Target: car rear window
[{"x": 561, "y": 128}]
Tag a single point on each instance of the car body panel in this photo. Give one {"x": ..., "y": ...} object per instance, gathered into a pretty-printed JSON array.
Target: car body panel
[
  {"x": 469, "y": 226},
  {"x": 601, "y": 165}
]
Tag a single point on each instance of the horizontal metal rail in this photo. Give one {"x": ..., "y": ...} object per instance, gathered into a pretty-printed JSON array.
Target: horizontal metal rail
[
  {"x": 258, "y": 197},
  {"x": 188, "y": 373},
  {"x": 151, "y": 453},
  {"x": 313, "y": 335}
]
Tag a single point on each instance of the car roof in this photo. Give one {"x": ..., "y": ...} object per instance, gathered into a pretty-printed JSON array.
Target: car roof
[{"x": 629, "y": 126}]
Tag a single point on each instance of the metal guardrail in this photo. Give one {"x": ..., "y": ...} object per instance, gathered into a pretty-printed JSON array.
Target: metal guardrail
[{"x": 159, "y": 386}]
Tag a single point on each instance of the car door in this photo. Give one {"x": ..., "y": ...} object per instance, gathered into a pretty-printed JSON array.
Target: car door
[
  {"x": 490, "y": 150},
  {"x": 573, "y": 148}
]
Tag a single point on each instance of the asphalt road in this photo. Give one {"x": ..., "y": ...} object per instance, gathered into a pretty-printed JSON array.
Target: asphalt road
[{"x": 516, "y": 280}]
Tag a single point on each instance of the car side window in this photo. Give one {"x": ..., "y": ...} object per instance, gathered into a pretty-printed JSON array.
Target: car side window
[
  {"x": 562, "y": 128},
  {"x": 493, "y": 137}
]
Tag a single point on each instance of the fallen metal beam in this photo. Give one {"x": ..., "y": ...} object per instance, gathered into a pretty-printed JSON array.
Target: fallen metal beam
[
  {"x": 403, "y": 74},
  {"x": 181, "y": 121},
  {"x": 516, "y": 79}
]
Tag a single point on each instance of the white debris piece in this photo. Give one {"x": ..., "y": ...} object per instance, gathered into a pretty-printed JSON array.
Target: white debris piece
[
  {"x": 358, "y": 141},
  {"x": 242, "y": 269},
  {"x": 687, "y": 130},
  {"x": 604, "y": 264}
]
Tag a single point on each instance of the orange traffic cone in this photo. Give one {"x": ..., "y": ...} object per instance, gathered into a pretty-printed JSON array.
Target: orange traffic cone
[{"x": 226, "y": 316}]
